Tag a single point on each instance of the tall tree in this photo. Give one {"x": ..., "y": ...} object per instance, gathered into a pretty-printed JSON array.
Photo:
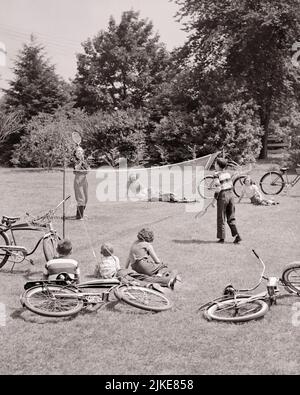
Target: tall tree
[
  {"x": 122, "y": 66},
  {"x": 248, "y": 40},
  {"x": 36, "y": 87}
]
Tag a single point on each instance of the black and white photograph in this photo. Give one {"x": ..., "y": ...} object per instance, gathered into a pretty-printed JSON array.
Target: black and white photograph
[{"x": 150, "y": 194}]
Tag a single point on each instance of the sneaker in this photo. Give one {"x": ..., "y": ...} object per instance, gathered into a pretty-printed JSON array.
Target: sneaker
[
  {"x": 172, "y": 282},
  {"x": 221, "y": 241},
  {"x": 237, "y": 239}
]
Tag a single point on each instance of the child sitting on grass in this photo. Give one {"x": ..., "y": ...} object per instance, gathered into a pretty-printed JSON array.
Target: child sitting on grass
[
  {"x": 251, "y": 191},
  {"x": 109, "y": 267},
  {"x": 62, "y": 264},
  {"x": 143, "y": 259},
  {"x": 109, "y": 264}
]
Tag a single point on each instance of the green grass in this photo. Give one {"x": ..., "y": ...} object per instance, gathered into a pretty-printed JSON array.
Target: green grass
[{"x": 125, "y": 340}]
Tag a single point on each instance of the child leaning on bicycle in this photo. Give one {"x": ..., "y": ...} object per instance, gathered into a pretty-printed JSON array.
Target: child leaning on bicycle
[
  {"x": 251, "y": 191},
  {"x": 62, "y": 264}
]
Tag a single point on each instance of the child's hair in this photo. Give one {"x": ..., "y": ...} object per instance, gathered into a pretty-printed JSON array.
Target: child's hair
[
  {"x": 222, "y": 163},
  {"x": 146, "y": 234},
  {"x": 107, "y": 249},
  {"x": 78, "y": 150},
  {"x": 64, "y": 247},
  {"x": 250, "y": 179}
]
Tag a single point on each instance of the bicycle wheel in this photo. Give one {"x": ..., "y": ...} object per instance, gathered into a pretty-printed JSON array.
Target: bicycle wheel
[
  {"x": 291, "y": 277},
  {"x": 236, "y": 310},
  {"x": 206, "y": 187},
  {"x": 238, "y": 185},
  {"x": 52, "y": 300},
  {"x": 4, "y": 255},
  {"x": 272, "y": 183},
  {"x": 143, "y": 298},
  {"x": 49, "y": 246}
]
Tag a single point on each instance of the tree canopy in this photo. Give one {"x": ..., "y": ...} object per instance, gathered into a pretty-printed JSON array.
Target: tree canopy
[
  {"x": 121, "y": 67},
  {"x": 36, "y": 87},
  {"x": 249, "y": 41}
]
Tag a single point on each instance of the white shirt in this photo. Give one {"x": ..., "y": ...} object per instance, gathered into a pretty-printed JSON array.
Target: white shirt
[{"x": 109, "y": 266}]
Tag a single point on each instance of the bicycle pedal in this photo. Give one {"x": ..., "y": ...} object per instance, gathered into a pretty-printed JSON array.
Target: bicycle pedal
[{"x": 31, "y": 262}]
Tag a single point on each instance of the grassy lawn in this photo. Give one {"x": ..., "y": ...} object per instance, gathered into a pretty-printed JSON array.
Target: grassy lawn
[{"x": 125, "y": 340}]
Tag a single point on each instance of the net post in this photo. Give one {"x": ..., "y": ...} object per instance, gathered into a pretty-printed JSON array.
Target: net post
[{"x": 64, "y": 196}]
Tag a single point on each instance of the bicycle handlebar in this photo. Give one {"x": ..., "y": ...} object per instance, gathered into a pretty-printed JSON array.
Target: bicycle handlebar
[
  {"x": 261, "y": 276},
  {"x": 48, "y": 216}
]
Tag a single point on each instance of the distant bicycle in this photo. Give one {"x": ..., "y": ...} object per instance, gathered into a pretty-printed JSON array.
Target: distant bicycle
[
  {"x": 63, "y": 298},
  {"x": 273, "y": 182},
  {"x": 206, "y": 186},
  {"x": 11, "y": 251},
  {"x": 238, "y": 306}
]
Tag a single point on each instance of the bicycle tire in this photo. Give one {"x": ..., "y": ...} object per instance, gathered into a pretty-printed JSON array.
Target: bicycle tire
[
  {"x": 41, "y": 300},
  {"x": 206, "y": 187},
  {"x": 237, "y": 185},
  {"x": 272, "y": 177},
  {"x": 4, "y": 257},
  {"x": 291, "y": 277},
  {"x": 143, "y": 298},
  {"x": 49, "y": 247},
  {"x": 226, "y": 310}
]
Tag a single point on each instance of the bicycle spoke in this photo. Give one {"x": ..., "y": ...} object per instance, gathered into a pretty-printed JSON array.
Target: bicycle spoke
[
  {"x": 272, "y": 183},
  {"x": 148, "y": 299},
  {"x": 238, "y": 309},
  {"x": 48, "y": 301}
]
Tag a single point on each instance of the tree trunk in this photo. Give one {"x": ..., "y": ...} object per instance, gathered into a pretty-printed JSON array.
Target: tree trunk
[{"x": 265, "y": 120}]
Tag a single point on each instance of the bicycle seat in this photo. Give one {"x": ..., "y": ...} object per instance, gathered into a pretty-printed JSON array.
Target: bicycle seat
[
  {"x": 284, "y": 169},
  {"x": 9, "y": 220}
]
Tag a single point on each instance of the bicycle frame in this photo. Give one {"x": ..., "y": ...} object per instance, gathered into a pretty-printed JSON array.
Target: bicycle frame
[
  {"x": 9, "y": 229},
  {"x": 293, "y": 182},
  {"x": 233, "y": 293}
]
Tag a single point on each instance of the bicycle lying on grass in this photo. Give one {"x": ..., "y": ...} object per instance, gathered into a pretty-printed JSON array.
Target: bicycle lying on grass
[
  {"x": 10, "y": 251},
  {"x": 237, "y": 306},
  {"x": 63, "y": 299},
  {"x": 206, "y": 186},
  {"x": 273, "y": 182}
]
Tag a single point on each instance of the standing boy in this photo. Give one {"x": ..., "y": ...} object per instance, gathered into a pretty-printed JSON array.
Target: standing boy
[{"x": 225, "y": 202}]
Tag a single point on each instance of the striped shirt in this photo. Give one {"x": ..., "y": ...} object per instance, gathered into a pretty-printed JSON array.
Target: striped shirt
[
  {"x": 223, "y": 181},
  {"x": 61, "y": 265}
]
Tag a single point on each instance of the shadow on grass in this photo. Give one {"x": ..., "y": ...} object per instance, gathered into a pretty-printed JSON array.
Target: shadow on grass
[
  {"x": 26, "y": 316},
  {"x": 15, "y": 271},
  {"x": 33, "y": 276},
  {"x": 195, "y": 241}
]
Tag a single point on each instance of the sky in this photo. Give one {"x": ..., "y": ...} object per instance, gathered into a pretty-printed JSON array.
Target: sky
[{"x": 62, "y": 25}]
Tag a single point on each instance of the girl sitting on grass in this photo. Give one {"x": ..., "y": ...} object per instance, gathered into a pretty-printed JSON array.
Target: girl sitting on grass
[
  {"x": 143, "y": 259},
  {"x": 251, "y": 191}
]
